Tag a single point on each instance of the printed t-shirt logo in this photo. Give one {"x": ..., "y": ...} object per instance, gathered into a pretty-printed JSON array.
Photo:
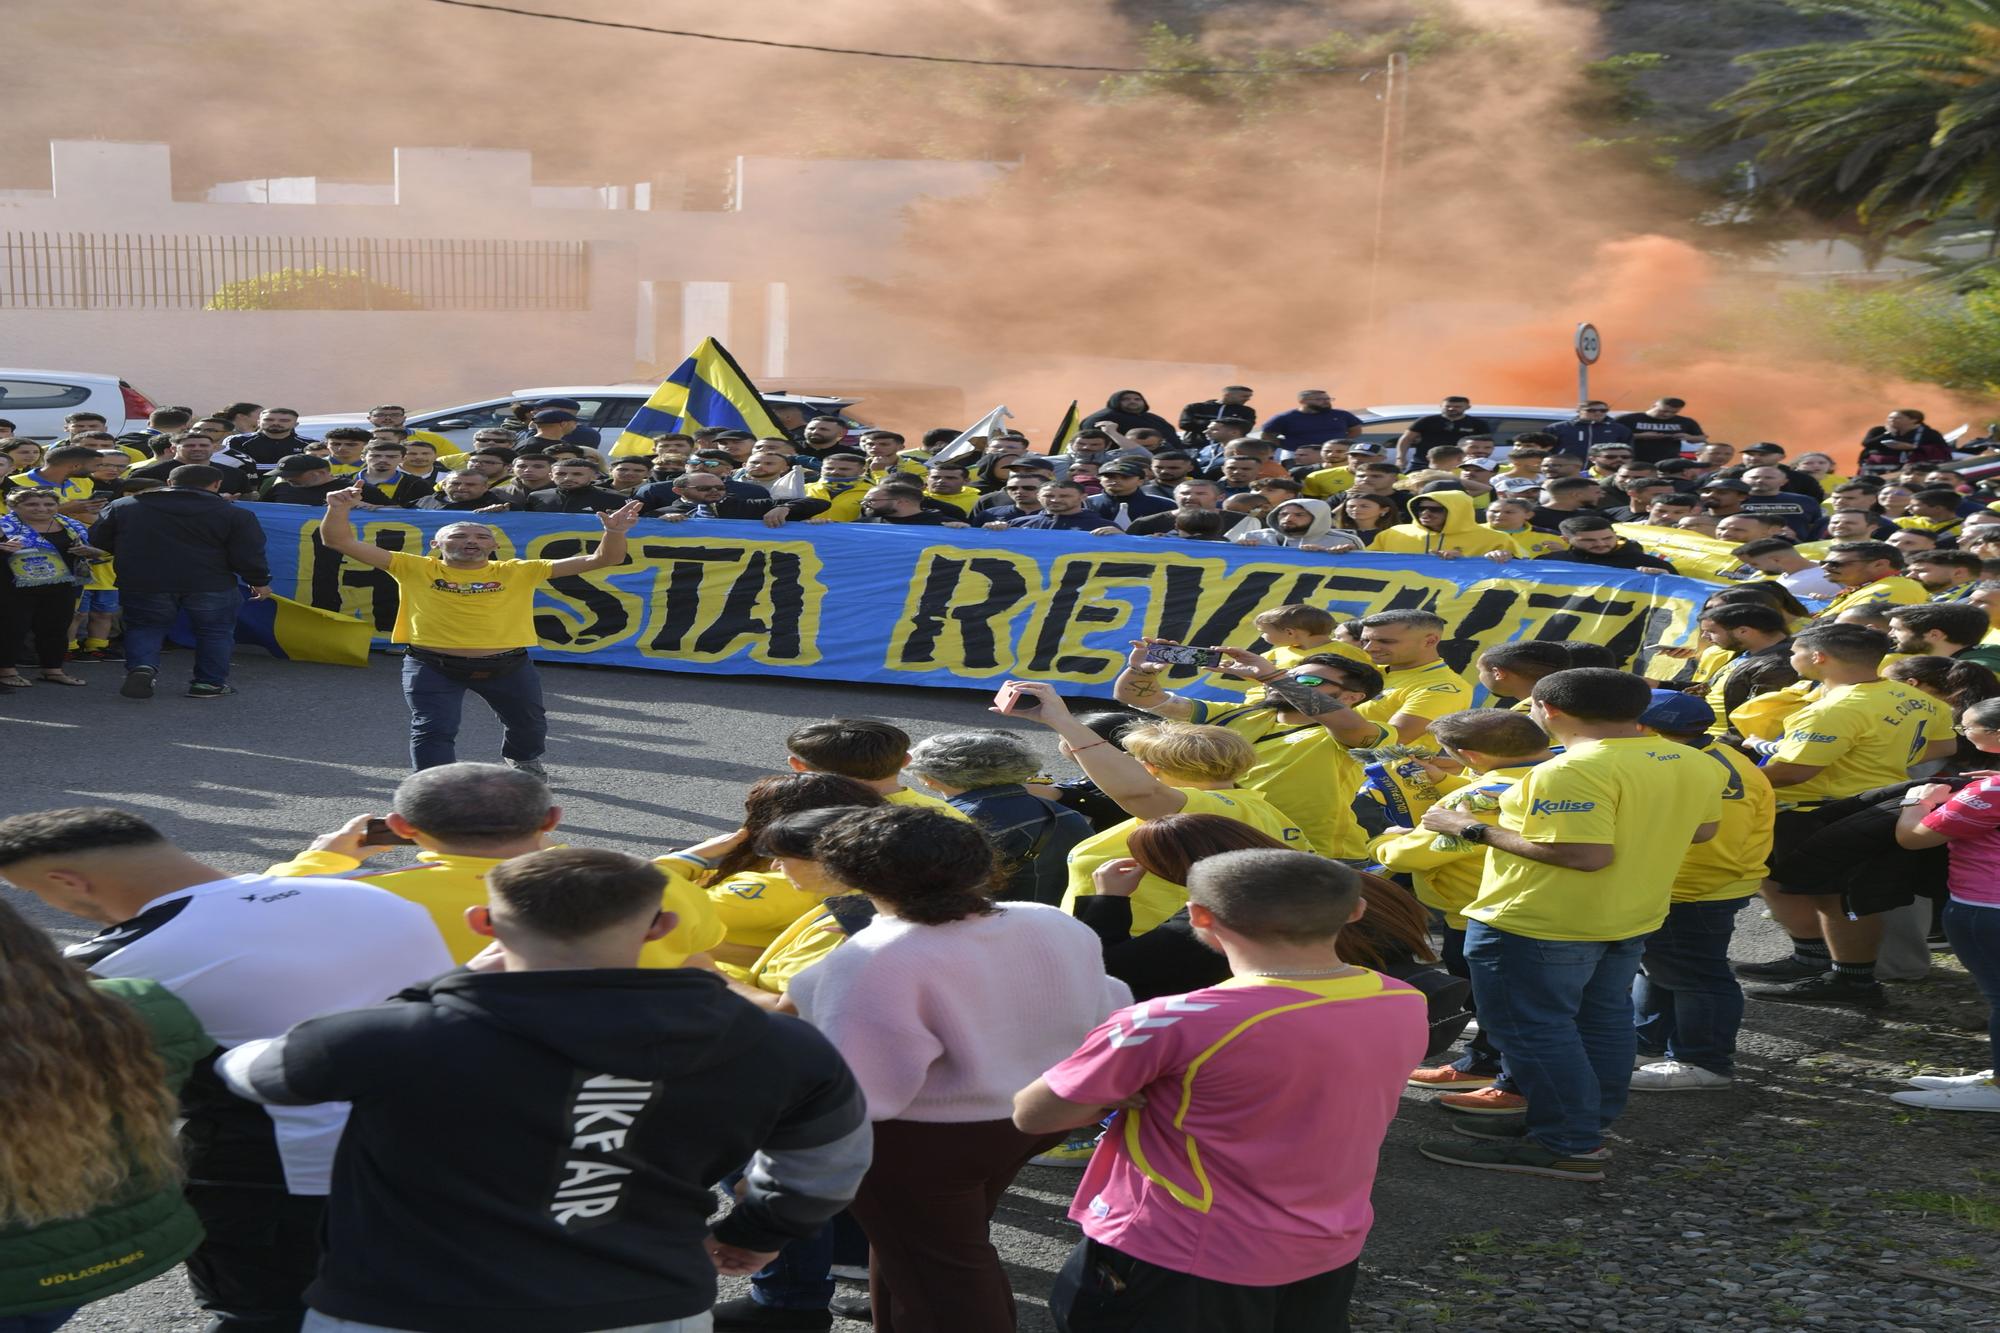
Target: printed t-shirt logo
[
  {"x": 1545, "y": 807},
  {"x": 485, "y": 585},
  {"x": 1813, "y": 737}
]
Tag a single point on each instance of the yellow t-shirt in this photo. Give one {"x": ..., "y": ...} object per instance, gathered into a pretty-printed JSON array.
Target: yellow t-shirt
[
  {"x": 798, "y": 946},
  {"x": 905, "y": 796},
  {"x": 1303, "y": 770},
  {"x": 754, "y": 906},
  {"x": 1445, "y": 868},
  {"x": 1858, "y": 736},
  {"x": 489, "y": 607},
  {"x": 340, "y": 469},
  {"x": 1528, "y": 543},
  {"x": 962, "y": 499},
  {"x": 1894, "y": 590},
  {"x": 1156, "y": 899},
  {"x": 844, "y": 507},
  {"x": 68, "y": 491},
  {"x": 905, "y": 467},
  {"x": 1428, "y": 691},
  {"x": 1643, "y": 795},
  {"x": 1732, "y": 863},
  {"x": 445, "y": 886},
  {"x": 440, "y": 443},
  {"x": 1328, "y": 481}
]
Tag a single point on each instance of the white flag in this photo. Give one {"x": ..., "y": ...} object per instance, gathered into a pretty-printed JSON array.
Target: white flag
[{"x": 987, "y": 426}]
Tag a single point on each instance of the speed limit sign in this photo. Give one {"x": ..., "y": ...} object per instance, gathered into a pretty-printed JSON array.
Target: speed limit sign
[{"x": 1589, "y": 344}]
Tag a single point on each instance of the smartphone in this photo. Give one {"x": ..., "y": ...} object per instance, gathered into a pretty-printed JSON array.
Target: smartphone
[
  {"x": 1174, "y": 654},
  {"x": 379, "y": 834},
  {"x": 1010, "y": 700}
]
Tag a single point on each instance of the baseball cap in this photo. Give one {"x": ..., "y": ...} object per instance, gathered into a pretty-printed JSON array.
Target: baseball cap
[
  {"x": 1483, "y": 464},
  {"x": 571, "y": 403},
  {"x": 1516, "y": 485},
  {"x": 297, "y": 465},
  {"x": 1764, "y": 448},
  {"x": 1120, "y": 469},
  {"x": 1672, "y": 711},
  {"x": 549, "y": 414},
  {"x": 1725, "y": 484},
  {"x": 733, "y": 435},
  {"x": 1370, "y": 449}
]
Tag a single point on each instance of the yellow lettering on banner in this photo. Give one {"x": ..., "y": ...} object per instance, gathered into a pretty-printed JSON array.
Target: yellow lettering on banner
[
  {"x": 959, "y": 611},
  {"x": 710, "y": 600}
]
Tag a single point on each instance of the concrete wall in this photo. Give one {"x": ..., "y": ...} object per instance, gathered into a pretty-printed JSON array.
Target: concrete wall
[{"x": 779, "y": 266}]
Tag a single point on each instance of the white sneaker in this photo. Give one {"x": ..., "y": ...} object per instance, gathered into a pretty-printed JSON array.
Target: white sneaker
[
  {"x": 1673, "y": 1076},
  {"x": 1974, "y": 1097},
  {"x": 1939, "y": 1082}
]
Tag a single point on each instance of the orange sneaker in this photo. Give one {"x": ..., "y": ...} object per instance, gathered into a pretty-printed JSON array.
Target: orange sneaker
[
  {"x": 1449, "y": 1076},
  {"x": 1487, "y": 1101}
]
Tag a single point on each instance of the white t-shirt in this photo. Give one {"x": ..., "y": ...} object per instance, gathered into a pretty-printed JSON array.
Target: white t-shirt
[{"x": 252, "y": 955}]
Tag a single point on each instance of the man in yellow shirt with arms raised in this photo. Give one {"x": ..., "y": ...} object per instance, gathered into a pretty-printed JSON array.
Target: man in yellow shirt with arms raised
[
  {"x": 469, "y": 621},
  {"x": 1579, "y": 871}
]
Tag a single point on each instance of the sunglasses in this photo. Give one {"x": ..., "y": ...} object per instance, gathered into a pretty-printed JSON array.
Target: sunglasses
[{"x": 1315, "y": 680}]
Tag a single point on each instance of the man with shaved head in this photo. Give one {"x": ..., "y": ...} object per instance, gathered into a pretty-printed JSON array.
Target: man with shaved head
[{"x": 469, "y": 621}]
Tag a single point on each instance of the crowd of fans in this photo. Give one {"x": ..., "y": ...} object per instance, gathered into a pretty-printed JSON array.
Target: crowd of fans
[{"x": 522, "y": 1086}]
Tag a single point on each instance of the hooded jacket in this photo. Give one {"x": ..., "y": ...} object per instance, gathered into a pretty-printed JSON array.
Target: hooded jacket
[
  {"x": 1127, "y": 422},
  {"x": 1463, "y": 533},
  {"x": 179, "y": 539},
  {"x": 533, "y": 1152},
  {"x": 1320, "y": 531}
]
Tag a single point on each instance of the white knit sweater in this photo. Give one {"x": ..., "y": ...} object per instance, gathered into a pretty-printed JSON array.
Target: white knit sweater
[{"x": 946, "y": 1023}]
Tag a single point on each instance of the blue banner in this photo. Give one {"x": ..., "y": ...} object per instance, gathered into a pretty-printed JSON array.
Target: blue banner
[{"x": 967, "y": 608}]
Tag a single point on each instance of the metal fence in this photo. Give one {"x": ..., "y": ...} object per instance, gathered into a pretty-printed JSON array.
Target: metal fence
[{"x": 128, "y": 271}]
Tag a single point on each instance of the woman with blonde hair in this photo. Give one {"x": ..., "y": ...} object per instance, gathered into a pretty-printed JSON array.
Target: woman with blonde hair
[{"x": 90, "y": 1190}]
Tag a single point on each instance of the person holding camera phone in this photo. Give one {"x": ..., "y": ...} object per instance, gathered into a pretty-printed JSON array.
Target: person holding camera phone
[
  {"x": 1166, "y": 768},
  {"x": 469, "y": 621}
]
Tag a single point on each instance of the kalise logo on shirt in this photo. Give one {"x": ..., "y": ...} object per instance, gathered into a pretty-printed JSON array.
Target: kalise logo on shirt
[
  {"x": 446, "y": 585},
  {"x": 1561, "y": 807}
]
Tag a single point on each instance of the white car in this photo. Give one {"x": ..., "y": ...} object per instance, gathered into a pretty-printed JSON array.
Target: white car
[
  {"x": 605, "y": 406},
  {"x": 36, "y": 401},
  {"x": 1385, "y": 425}
]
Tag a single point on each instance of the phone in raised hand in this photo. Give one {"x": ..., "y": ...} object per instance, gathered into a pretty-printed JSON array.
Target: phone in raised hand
[
  {"x": 1175, "y": 654},
  {"x": 1009, "y": 700}
]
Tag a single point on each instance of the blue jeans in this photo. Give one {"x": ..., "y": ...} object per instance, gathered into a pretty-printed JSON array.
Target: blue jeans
[
  {"x": 437, "y": 701},
  {"x": 1481, "y": 1055},
  {"x": 149, "y": 615},
  {"x": 47, "y": 1322},
  {"x": 1974, "y": 933},
  {"x": 1561, "y": 1013},
  {"x": 1686, "y": 1003}
]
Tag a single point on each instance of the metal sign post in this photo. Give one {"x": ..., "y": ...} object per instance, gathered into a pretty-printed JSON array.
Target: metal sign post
[{"x": 1589, "y": 346}]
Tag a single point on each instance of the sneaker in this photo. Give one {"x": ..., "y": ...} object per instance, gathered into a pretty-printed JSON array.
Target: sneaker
[
  {"x": 1487, "y": 1101},
  {"x": 1941, "y": 1082},
  {"x": 1502, "y": 1127},
  {"x": 1675, "y": 1076},
  {"x": 96, "y": 655},
  {"x": 850, "y": 1272},
  {"x": 852, "y": 1305},
  {"x": 203, "y": 690},
  {"x": 138, "y": 683},
  {"x": 1643, "y": 1058},
  {"x": 1523, "y": 1157},
  {"x": 1450, "y": 1076},
  {"x": 1073, "y": 1152},
  {"x": 744, "y": 1314},
  {"x": 1826, "y": 988},
  {"x": 1787, "y": 968},
  {"x": 1972, "y": 1097},
  {"x": 533, "y": 768}
]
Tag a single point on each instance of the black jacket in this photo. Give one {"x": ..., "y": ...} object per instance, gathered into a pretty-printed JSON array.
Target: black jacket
[
  {"x": 1627, "y": 554},
  {"x": 282, "y": 492},
  {"x": 1131, "y": 421},
  {"x": 533, "y": 1152},
  {"x": 181, "y": 540},
  {"x": 1196, "y": 418},
  {"x": 582, "y": 500},
  {"x": 235, "y": 481},
  {"x": 736, "y": 506}
]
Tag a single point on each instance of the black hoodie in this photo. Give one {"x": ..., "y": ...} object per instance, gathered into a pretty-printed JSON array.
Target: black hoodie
[
  {"x": 1131, "y": 421},
  {"x": 179, "y": 539},
  {"x": 533, "y": 1152}
]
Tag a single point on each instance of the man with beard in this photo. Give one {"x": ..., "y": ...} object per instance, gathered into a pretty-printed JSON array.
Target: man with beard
[{"x": 1305, "y": 525}]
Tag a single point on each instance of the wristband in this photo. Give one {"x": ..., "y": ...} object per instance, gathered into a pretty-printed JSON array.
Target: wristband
[{"x": 1078, "y": 749}]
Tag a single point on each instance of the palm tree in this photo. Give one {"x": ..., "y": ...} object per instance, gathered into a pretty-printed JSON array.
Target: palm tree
[{"x": 1894, "y": 131}]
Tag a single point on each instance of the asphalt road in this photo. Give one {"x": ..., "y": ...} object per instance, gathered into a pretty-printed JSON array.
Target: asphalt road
[{"x": 646, "y": 762}]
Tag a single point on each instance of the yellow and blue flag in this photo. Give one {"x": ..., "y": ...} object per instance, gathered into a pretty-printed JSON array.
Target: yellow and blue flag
[
  {"x": 709, "y": 389},
  {"x": 301, "y": 633},
  {"x": 1065, "y": 432}
]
